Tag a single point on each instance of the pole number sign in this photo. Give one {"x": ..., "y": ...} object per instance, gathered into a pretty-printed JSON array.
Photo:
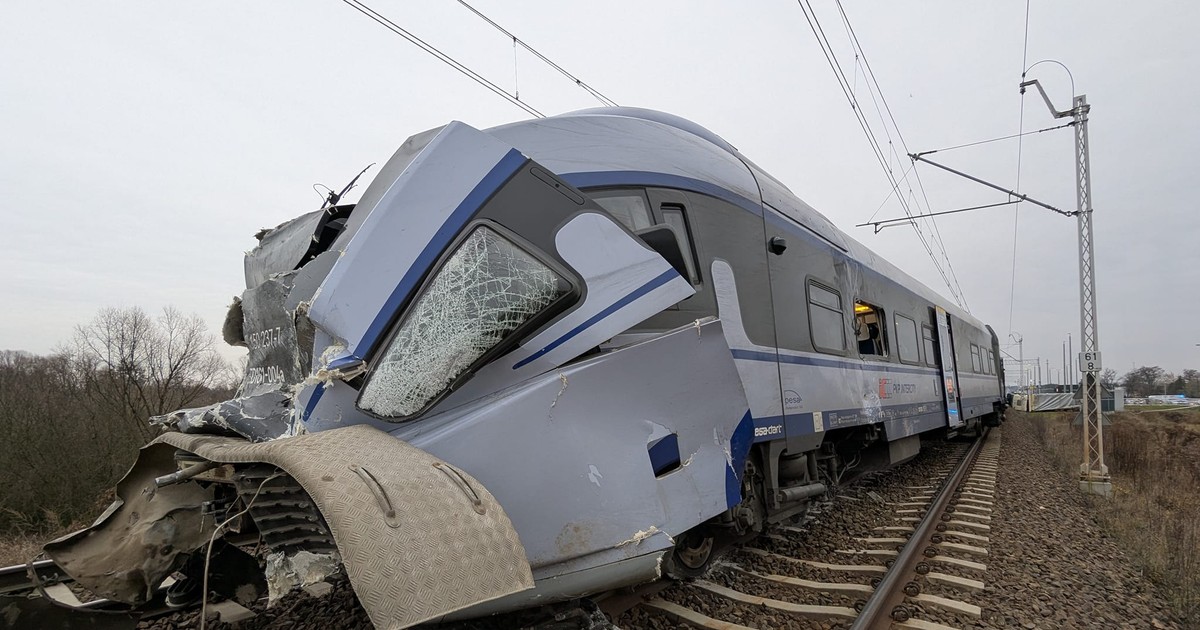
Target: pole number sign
[{"x": 1089, "y": 361}]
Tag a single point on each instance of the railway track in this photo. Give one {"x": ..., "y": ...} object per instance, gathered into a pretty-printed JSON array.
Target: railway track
[
  {"x": 917, "y": 569},
  {"x": 41, "y": 595}
]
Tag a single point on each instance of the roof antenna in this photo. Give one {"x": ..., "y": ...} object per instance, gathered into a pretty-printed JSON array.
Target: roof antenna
[{"x": 333, "y": 198}]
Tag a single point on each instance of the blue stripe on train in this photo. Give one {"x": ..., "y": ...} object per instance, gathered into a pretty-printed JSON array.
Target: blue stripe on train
[{"x": 739, "y": 449}]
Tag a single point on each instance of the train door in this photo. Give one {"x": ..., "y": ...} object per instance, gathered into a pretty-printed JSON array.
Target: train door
[
  {"x": 732, "y": 239},
  {"x": 949, "y": 370},
  {"x": 791, "y": 261}
]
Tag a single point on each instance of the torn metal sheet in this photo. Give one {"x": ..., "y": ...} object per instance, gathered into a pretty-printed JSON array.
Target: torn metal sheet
[
  {"x": 143, "y": 537},
  {"x": 641, "y": 535},
  {"x": 398, "y": 563},
  {"x": 267, "y": 416},
  {"x": 275, "y": 358},
  {"x": 268, "y": 321},
  {"x": 282, "y": 248},
  {"x": 286, "y": 572},
  {"x": 293, "y": 243}
]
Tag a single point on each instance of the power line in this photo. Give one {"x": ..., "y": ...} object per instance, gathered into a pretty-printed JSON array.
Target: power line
[
  {"x": 880, "y": 155},
  {"x": 1012, "y": 281},
  {"x": 443, "y": 57},
  {"x": 608, "y": 102},
  {"x": 893, "y": 191},
  {"x": 1008, "y": 137},
  {"x": 952, "y": 281},
  {"x": 936, "y": 231},
  {"x": 887, "y": 223}
]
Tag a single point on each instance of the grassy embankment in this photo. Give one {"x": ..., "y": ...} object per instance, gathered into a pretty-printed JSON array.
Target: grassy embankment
[
  {"x": 18, "y": 548},
  {"x": 1154, "y": 459},
  {"x": 22, "y": 540}
]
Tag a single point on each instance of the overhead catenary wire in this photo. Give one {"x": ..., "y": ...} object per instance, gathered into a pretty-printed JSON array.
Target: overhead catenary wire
[
  {"x": 872, "y": 140},
  {"x": 952, "y": 283},
  {"x": 608, "y": 102},
  {"x": 989, "y": 140},
  {"x": 886, "y": 223},
  {"x": 1012, "y": 281},
  {"x": 870, "y": 74},
  {"x": 441, "y": 56},
  {"x": 893, "y": 191}
]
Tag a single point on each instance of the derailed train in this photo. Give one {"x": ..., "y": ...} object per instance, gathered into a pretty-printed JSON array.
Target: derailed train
[{"x": 539, "y": 361}]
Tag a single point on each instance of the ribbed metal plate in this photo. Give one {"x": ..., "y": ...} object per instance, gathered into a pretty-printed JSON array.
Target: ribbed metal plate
[{"x": 443, "y": 555}]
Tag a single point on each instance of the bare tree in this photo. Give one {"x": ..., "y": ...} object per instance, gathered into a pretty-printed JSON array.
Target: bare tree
[
  {"x": 1108, "y": 378},
  {"x": 46, "y": 416},
  {"x": 73, "y": 421},
  {"x": 134, "y": 367},
  {"x": 1192, "y": 383},
  {"x": 1144, "y": 381}
]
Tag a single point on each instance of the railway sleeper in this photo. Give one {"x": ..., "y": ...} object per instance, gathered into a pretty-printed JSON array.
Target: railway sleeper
[
  {"x": 947, "y": 604},
  {"x": 691, "y": 617},
  {"x": 803, "y": 610},
  {"x": 812, "y": 585}
]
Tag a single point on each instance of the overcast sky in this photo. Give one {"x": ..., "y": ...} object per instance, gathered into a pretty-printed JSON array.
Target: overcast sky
[{"x": 143, "y": 144}]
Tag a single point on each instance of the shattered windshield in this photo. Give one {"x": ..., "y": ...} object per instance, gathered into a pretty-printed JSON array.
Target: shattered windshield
[{"x": 487, "y": 289}]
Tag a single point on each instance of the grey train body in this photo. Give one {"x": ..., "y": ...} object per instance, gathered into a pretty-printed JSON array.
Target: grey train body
[{"x": 659, "y": 343}]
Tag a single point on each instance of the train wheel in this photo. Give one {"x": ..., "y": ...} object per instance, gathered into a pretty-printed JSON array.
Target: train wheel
[{"x": 691, "y": 556}]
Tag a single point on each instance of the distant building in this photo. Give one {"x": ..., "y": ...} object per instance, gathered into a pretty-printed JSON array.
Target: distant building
[{"x": 1168, "y": 399}]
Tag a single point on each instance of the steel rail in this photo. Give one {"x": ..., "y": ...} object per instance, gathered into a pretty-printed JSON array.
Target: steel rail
[
  {"x": 15, "y": 579},
  {"x": 18, "y": 588},
  {"x": 884, "y": 606}
]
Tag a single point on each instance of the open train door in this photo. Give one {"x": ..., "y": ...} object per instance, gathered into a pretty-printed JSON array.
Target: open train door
[{"x": 948, "y": 369}]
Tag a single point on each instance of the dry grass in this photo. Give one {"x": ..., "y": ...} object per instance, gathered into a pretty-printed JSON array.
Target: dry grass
[
  {"x": 20, "y": 548},
  {"x": 1154, "y": 459},
  {"x": 22, "y": 540}
]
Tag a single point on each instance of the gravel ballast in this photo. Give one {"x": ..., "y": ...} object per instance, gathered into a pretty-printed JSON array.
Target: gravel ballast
[{"x": 1049, "y": 566}]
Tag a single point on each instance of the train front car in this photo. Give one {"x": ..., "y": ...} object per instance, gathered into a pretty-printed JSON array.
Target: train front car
[
  {"x": 537, "y": 362},
  {"x": 443, "y": 398}
]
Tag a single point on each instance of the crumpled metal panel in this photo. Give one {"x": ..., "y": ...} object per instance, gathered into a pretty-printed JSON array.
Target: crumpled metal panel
[
  {"x": 449, "y": 544},
  {"x": 282, "y": 249},
  {"x": 275, "y": 347},
  {"x": 279, "y": 341},
  {"x": 138, "y": 540},
  {"x": 266, "y": 416}
]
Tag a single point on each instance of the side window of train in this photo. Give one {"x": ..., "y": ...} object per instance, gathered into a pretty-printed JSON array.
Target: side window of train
[
  {"x": 826, "y": 319},
  {"x": 930, "y": 351},
  {"x": 974, "y": 358},
  {"x": 630, "y": 207},
  {"x": 674, "y": 216},
  {"x": 907, "y": 343},
  {"x": 870, "y": 330},
  {"x": 991, "y": 362}
]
